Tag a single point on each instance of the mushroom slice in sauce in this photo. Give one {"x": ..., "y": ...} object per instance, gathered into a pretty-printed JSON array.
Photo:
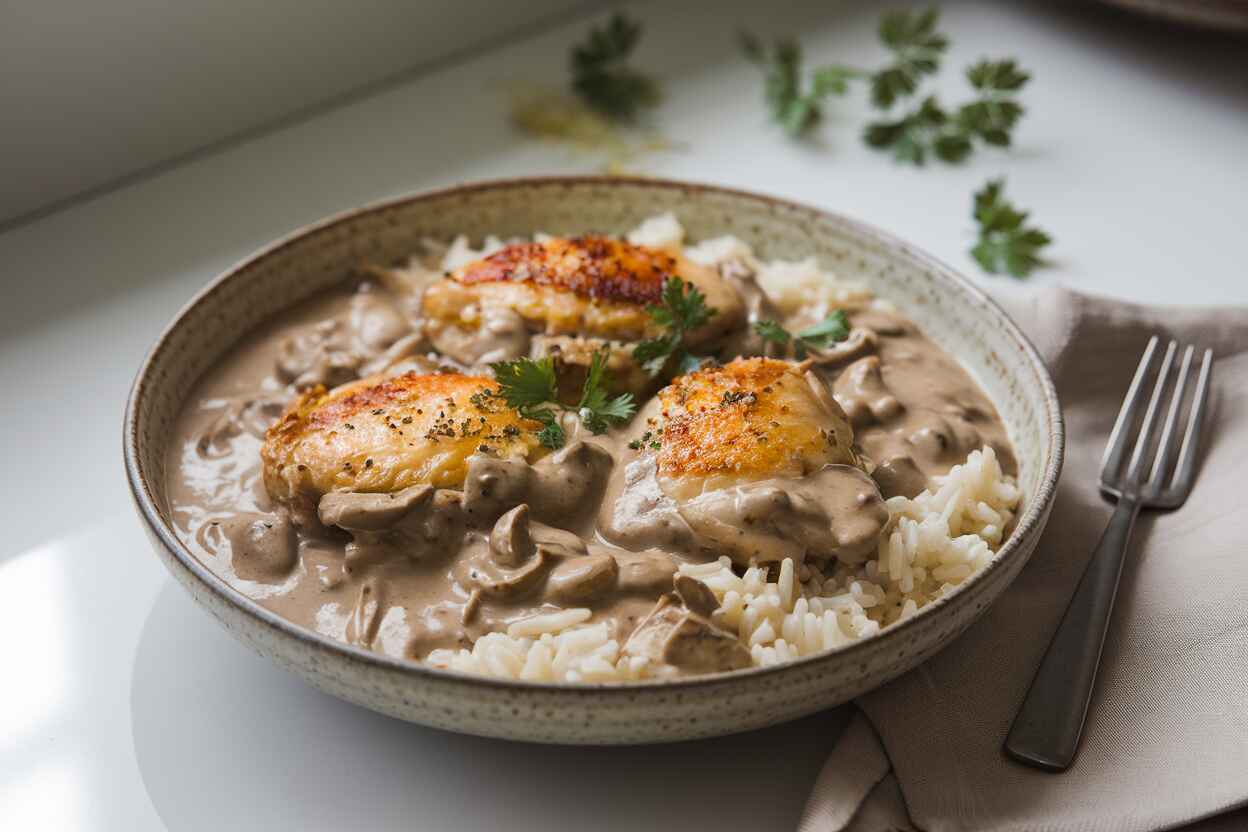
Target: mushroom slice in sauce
[{"x": 679, "y": 633}]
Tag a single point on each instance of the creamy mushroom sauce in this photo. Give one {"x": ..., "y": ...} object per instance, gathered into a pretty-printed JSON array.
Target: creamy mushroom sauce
[{"x": 607, "y": 538}]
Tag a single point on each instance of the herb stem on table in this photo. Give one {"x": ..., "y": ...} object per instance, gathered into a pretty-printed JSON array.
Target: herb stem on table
[{"x": 602, "y": 76}]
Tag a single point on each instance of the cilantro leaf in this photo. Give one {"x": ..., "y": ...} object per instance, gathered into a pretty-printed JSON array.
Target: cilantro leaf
[
  {"x": 1005, "y": 242},
  {"x": 683, "y": 310},
  {"x": 602, "y": 77}
]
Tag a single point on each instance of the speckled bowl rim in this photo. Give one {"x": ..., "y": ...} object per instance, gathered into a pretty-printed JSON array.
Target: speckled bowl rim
[{"x": 1030, "y": 522}]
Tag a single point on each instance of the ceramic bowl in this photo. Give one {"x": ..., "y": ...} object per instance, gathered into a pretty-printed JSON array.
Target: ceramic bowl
[{"x": 948, "y": 307}]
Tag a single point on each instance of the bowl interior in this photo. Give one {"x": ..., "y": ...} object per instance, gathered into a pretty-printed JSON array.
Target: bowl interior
[{"x": 951, "y": 311}]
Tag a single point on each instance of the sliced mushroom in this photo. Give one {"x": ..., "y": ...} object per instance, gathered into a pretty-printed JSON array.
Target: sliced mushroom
[
  {"x": 645, "y": 573},
  {"x": 371, "y": 512},
  {"x": 676, "y": 636},
  {"x": 511, "y": 540},
  {"x": 263, "y": 547},
  {"x": 861, "y": 391},
  {"x": 696, "y": 595},
  {"x": 557, "y": 489},
  {"x": 583, "y": 579},
  {"x": 416, "y": 522},
  {"x": 512, "y": 584}
]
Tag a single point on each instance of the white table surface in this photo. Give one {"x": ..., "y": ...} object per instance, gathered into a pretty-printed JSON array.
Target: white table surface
[{"x": 123, "y": 707}]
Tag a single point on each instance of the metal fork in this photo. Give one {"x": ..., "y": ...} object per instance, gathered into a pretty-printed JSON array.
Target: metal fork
[{"x": 1047, "y": 728}]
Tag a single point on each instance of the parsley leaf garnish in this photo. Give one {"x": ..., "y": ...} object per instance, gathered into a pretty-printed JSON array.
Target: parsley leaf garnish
[
  {"x": 822, "y": 335},
  {"x": 794, "y": 104},
  {"x": 598, "y": 411},
  {"x": 1006, "y": 243},
  {"x": 531, "y": 387},
  {"x": 771, "y": 331},
  {"x": 916, "y": 46},
  {"x": 602, "y": 77},
  {"x": 527, "y": 383},
  {"x": 683, "y": 309}
]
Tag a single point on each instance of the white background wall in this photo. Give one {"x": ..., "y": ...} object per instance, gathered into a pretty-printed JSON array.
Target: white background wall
[{"x": 91, "y": 90}]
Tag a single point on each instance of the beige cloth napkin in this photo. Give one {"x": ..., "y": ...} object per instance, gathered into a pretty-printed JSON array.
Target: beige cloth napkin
[{"x": 1166, "y": 741}]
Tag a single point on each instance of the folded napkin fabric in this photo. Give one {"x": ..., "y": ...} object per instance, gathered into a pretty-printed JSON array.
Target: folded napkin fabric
[{"x": 1166, "y": 741}]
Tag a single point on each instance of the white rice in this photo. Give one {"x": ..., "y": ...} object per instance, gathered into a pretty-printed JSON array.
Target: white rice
[{"x": 933, "y": 543}]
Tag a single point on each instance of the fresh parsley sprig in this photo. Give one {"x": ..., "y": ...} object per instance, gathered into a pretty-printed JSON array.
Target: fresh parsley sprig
[
  {"x": 992, "y": 116},
  {"x": 794, "y": 103},
  {"x": 683, "y": 310},
  {"x": 929, "y": 128},
  {"x": 1006, "y": 243},
  {"x": 601, "y": 76},
  {"x": 917, "y": 48},
  {"x": 531, "y": 387},
  {"x": 820, "y": 336}
]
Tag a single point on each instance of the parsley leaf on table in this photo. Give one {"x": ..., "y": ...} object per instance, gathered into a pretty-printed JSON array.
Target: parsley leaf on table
[
  {"x": 992, "y": 116},
  {"x": 916, "y": 46},
  {"x": 530, "y": 387},
  {"x": 929, "y": 128},
  {"x": 683, "y": 309},
  {"x": 1006, "y": 243},
  {"x": 822, "y": 335},
  {"x": 793, "y": 103},
  {"x": 602, "y": 77}
]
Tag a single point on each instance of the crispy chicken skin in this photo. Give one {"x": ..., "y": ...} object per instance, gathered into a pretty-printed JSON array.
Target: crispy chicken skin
[
  {"x": 750, "y": 419},
  {"x": 590, "y": 286},
  {"x": 381, "y": 435}
]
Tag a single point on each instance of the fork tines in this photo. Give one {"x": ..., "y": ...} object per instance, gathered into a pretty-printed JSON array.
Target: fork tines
[{"x": 1156, "y": 490}]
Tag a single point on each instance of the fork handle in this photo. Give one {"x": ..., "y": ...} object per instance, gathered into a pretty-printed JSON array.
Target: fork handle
[{"x": 1046, "y": 730}]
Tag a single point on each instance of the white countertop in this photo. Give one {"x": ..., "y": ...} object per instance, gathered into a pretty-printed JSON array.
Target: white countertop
[{"x": 124, "y": 707}]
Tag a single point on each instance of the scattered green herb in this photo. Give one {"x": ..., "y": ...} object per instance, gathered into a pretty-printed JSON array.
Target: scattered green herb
[
  {"x": 992, "y": 116},
  {"x": 531, "y": 387},
  {"x": 682, "y": 311},
  {"x": 601, "y": 76},
  {"x": 916, "y": 46},
  {"x": 793, "y": 103},
  {"x": 929, "y": 128},
  {"x": 1006, "y": 243},
  {"x": 822, "y": 335}
]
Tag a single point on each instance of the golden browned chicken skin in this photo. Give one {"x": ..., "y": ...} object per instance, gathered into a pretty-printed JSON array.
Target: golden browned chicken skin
[
  {"x": 749, "y": 419},
  {"x": 590, "y": 287},
  {"x": 382, "y": 435}
]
